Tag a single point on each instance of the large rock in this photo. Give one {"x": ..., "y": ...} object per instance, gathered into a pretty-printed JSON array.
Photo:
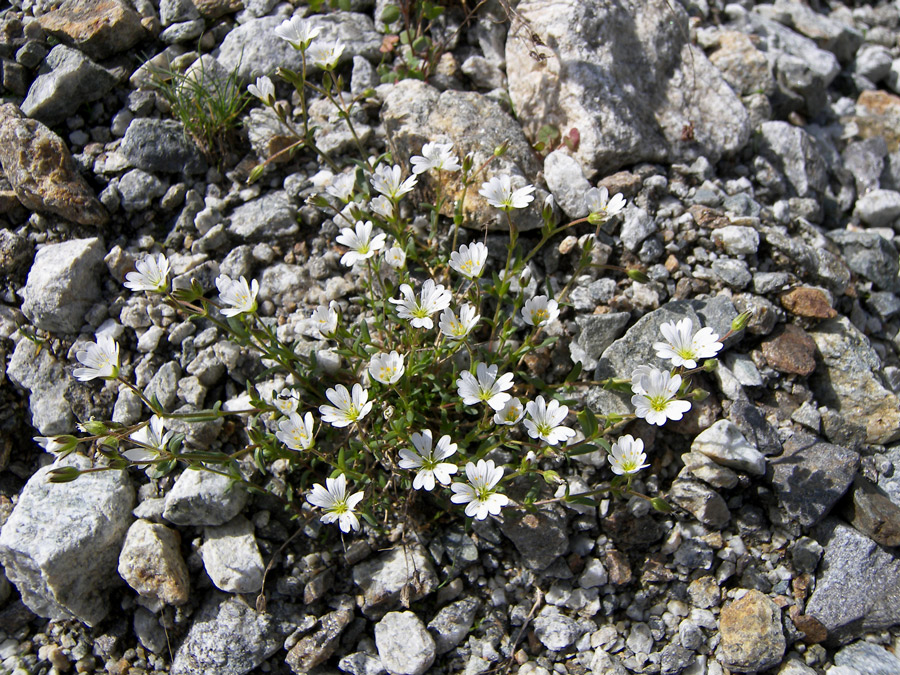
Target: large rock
[
  {"x": 252, "y": 49},
  {"x": 849, "y": 380},
  {"x": 793, "y": 152},
  {"x": 227, "y": 637},
  {"x": 628, "y": 79},
  {"x": 99, "y": 28},
  {"x": 231, "y": 557},
  {"x": 63, "y": 284},
  {"x": 752, "y": 637},
  {"x": 265, "y": 218},
  {"x": 402, "y": 573},
  {"x": 415, "y": 113},
  {"x": 61, "y": 543},
  {"x": 36, "y": 369},
  {"x": 73, "y": 79},
  {"x": 404, "y": 644},
  {"x": 152, "y": 564},
  {"x": 857, "y": 586},
  {"x": 830, "y": 34},
  {"x": 811, "y": 476},
  {"x": 38, "y": 165},
  {"x": 203, "y": 498},
  {"x": 160, "y": 146},
  {"x": 539, "y": 536},
  {"x": 870, "y": 255}
]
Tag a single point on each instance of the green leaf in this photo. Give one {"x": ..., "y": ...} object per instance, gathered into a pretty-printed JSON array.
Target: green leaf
[
  {"x": 582, "y": 449},
  {"x": 421, "y": 43},
  {"x": 390, "y": 14},
  {"x": 588, "y": 422},
  {"x": 345, "y": 5}
]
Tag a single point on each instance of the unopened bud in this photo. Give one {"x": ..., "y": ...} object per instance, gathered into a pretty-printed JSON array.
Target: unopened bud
[
  {"x": 710, "y": 365},
  {"x": 64, "y": 474},
  {"x": 741, "y": 320},
  {"x": 699, "y": 395},
  {"x": 501, "y": 149},
  {"x": 468, "y": 162},
  {"x": 547, "y": 212},
  {"x": 596, "y": 218},
  {"x": 551, "y": 477},
  {"x": 661, "y": 505},
  {"x": 93, "y": 427},
  {"x": 637, "y": 275}
]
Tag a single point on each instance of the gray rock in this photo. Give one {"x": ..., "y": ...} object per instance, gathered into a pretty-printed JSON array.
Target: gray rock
[
  {"x": 674, "y": 659},
  {"x": 635, "y": 348},
  {"x": 404, "y": 644},
  {"x": 333, "y": 134},
  {"x": 555, "y": 630},
  {"x": 402, "y": 573},
  {"x": 872, "y": 512},
  {"x": 865, "y": 161},
  {"x": 708, "y": 471},
  {"x": 415, "y": 113},
  {"x": 164, "y": 385},
  {"x": 567, "y": 183},
  {"x": 868, "y": 658},
  {"x": 250, "y": 49},
  {"x": 805, "y": 554},
  {"x": 794, "y": 153},
  {"x": 61, "y": 542},
  {"x": 744, "y": 67},
  {"x": 73, "y": 79},
  {"x": 231, "y": 557},
  {"x": 828, "y": 33},
  {"x": 878, "y": 208},
  {"x": 873, "y": 62},
  {"x": 735, "y": 273},
  {"x": 152, "y": 564},
  {"x": 638, "y": 225},
  {"x": 138, "y": 188},
  {"x": 174, "y": 11},
  {"x": 203, "y": 498},
  {"x": 361, "y": 663},
  {"x": 724, "y": 443},
  {"x": 37, "y": 370},
  {"x": 737, "y": 239},
  {"x": 889, "y": 480},
  {"x": 857, "y": 586},
  {"x": 266, "y": 218},
  {"x": 184, "y": 31},
  {"x": 268, "y": 136},
  {"x": 160, "y": 146},
  {"x": 604, "y": 663},
  {"x": 316, "y": 647},
  {"x": 63, "y": 284},
  {"x": 755, "y": 427},
  {"x": 630, "y": 99},
  {"x": 869, "y": 255},
  {"x": 539, "y": 536},
  {"x": 452, "y": 623},
  {"x": 483, "y": 73},
  {"x": 849, "y": 382},
  {"x": 811, "y": 476},
  {"x": 704, "y": 504},
  {"x": 363, "y": 76},
  {"x": 598, "y": 331},
  {"x": 227, "y": 637},
  {"x": 149, "y": 632}
]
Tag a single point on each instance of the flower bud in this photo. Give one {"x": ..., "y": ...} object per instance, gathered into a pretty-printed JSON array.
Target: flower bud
[
  {"x": 741, "y": 320},
  {"x": 501, "y": 149},
  {"x": 93, "y": 427},
  {"x": 64, "y": 474},
  {"x": 710, "y": 365},
  {"x": 468, "y": 162},
  {"x": 661, "y": 505},
  {"x": 699, "y": 395},
  {"x": 637, "y": 275}
]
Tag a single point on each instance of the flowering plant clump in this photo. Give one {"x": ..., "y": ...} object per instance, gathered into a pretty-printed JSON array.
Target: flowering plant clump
[{"x": 437, "y": 344}]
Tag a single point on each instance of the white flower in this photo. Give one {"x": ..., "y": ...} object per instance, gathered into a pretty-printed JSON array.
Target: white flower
[
  {"x": 386, "y": 368},
  {"x": 598, "y": 202},
  {"x": 637, "y": 375},
  {"x": 326, "y": 56},
  {"x": 469, "y": 260},
  {"x": 348, "y": 408},
  {"x": 487, "y": 388},
  {"x": 428, "y": 461},
  {"x": 342, "y": 187},
  {"x": 151, "y": 274},
  {"x": 152, "y": 438},
  {"x": 510, "y": 414},
  {"x": 627, "y": 455},
  {"x": 479, "y": 492},
  {"x": 382, "y": 206},
  {"x": 386, "y": 180},
  {"x": 238, "y": 295},
  {"x": 540, "y": 310},
  {"x": 101, "y": 359},
  {"x": 499, "y": 193},
  {"x": 326, "y": 319},
  {"x": 337, "y": 504},
  {"x": 286, "y": 401},
  {"x": 298, "y": 31},
  {"x": 435, "y": 156},
  {"x": 434, "y": 299},
  {"x": 654, "y": 397},
  {"x": 546, "y": 420},
  {"x": 683, "y": 348},
  {"x": 361, "y": 243},
  {"x": 296, "y": 432},
  {"x": 56, "y": 444},
  {"x": 457, "y": 329},
  {"x": 395, "y": 257},
  {"x": 264, "y": 90}
]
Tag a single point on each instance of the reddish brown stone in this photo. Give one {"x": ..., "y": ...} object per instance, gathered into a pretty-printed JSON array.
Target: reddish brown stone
[
  {"x": 790, "y": 350},
  {"x": 808, "y": 302},
  {"x": 99, "y": 28},
  {"x": 213, "y": 9},
  {"x": 812, "y": 629},
  {"x": 622, "y": 181},
  {"x": 617, "y": 566},
  {"x": 704, "y": 216}
]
